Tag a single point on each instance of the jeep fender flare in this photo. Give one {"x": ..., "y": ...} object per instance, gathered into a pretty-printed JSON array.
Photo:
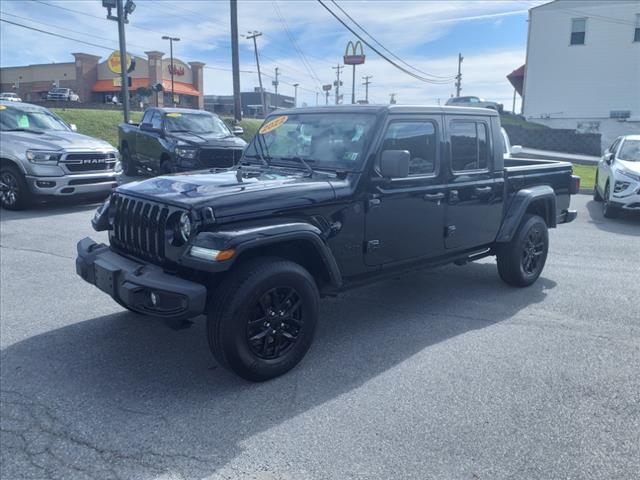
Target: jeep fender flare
[
  {"x": 248, "y": 238},
  {"x": 542, "y": 197}
]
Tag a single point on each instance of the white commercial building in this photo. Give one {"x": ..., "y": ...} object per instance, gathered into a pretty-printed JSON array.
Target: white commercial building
[{"x": 583, "y": 66}]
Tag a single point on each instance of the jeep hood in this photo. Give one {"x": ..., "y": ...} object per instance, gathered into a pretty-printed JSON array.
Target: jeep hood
[
  {"x": 56, "y": 140},
  {"x": 256, "y": 191}
]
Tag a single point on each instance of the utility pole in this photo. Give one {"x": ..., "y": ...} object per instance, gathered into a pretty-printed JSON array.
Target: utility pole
[
  {"x": 392, "y": 98},
  {"x": 513, "y": 108},
  {"x": 122, "y": 11},
  {"x": 316, "y": 99},
  {"x": 235, "y": 61},
  {"x": 366, "y": 84},
  {"x": 252, "y": 36},
  {"x": 295, "y": 95},
  {"x": 337, "y": 83},
  {"x": 171, "y": 67},
  {"x": 459, "y": 76},
  {"x": 275, "y": 83}
]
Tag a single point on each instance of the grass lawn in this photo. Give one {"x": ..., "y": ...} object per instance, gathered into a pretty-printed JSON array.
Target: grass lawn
[
  {"x": 587, "y": 174},
  {"x": 96, "y": 123},
  {"x": 514, "y": 120},
  {"x": 104, "y": 123}
]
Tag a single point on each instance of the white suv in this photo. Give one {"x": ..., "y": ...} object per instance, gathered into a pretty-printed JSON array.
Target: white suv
[{"x": 618, "y": 176}]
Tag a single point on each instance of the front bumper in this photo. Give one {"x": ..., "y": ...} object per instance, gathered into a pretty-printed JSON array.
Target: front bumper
[
  {"x": 628, "y": 202},
  {"x": 136, "y": 284},
  {"x": 67, "y": 185}
]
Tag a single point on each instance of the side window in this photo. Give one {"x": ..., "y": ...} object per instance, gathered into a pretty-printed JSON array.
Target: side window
[
  {"x": 469, "y": 146},
  {"x": 578, "y": 30},
  {"x": 614, "y": 145},
  {"x": 156, "y": 120},
  {"x": 419, "y": 138},
  {"x": 146, "y": 118}
]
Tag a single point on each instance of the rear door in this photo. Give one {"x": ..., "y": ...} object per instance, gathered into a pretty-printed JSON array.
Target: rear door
[
  {"x": 405, "y": 216},
  {"x": 474, "y": 196}
]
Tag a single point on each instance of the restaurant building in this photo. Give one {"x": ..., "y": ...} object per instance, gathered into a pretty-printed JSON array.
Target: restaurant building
[{"x": 98, "y": 81}]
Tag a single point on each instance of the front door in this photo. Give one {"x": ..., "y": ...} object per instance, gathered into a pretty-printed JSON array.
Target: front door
[
  {"x": 405, "y": 216},
  {"x": 474, "y": 191}
]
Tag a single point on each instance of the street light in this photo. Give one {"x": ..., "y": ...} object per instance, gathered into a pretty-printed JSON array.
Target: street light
[{"x": 171, "y": 40}]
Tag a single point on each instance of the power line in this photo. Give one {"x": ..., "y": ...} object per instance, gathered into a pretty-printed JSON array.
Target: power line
[
  {"x": 438, "y": 77},
  {"x": 297, "y": 48},
  {"x": 399, "y": 67},
  {"x": 56, "y": 34}
]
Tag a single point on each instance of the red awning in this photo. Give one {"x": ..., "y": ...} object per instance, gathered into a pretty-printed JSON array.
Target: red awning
[
  {"x": 516, "y": 78},
  {"x": 180, "y": 88}
]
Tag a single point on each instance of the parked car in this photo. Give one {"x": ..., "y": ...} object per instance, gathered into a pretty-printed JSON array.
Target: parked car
[
  {"x": 508, "y": 149},
  {"x": 42, "y": 156},
  {"x": 10, "y": 97},
  {"x": 63, "y": 94},
  {"x": 474, "y": 102},
  {"x": 178, "y": 139},
  {"x": 324, "y": 199},
  {"x": 618, "y": 177}
]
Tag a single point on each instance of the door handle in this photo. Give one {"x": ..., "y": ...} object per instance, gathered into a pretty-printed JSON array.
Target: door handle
[
  {"x": 434, "y": 197},
  {"x": 482, "y": 190}
]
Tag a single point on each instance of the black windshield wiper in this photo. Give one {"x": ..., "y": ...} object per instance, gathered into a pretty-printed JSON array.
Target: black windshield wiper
[
  {"x": 300, "y": 160},
  {"x": 30, "y": 130},
  {"x": 189, "y": 132}
]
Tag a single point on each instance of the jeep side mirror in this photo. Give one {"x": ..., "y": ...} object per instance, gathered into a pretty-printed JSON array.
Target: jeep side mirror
[
  {"x": 73, "y": 127},
  {"x": 146, "y": 127},
  {"x": 395, "y": 163},
  {"x": 237, "y": 131}
]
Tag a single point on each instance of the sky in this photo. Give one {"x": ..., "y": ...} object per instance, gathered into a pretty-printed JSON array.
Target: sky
[{"x": 299, "y": 37}]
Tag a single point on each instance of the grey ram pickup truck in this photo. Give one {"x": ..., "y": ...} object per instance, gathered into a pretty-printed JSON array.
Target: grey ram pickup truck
[{"x": 42, "y": 156}]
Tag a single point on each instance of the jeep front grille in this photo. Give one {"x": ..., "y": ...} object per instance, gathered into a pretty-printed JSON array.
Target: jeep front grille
[{"x": 139, "y": 227}]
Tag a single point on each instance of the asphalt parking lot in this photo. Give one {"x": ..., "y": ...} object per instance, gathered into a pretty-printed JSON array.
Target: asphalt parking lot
[{"x": 444, "y": 374}]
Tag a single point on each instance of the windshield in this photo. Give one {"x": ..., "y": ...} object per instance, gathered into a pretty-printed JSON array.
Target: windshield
[
  {"x": 13, "y": 118},
  {"x": 630, "y": 151},
  {"x": 196, "y": 123},
  {"x": 334, "y": 141},
  {"x": 59, "y": 90}
]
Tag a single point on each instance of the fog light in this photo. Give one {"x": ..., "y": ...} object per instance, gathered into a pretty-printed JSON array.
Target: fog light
[
  {"x": 45, "y": 184},
  {"x": 154, "y": 299}
]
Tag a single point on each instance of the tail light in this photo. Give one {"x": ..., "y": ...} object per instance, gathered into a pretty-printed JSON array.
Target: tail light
[{"x": 575, "y": 184}]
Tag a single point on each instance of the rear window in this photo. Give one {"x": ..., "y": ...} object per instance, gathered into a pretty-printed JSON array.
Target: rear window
[{"x": 469, "y": 146}]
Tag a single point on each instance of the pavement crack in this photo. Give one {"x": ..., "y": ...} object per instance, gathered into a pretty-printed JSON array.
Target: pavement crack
[{"x": 35, "y": 250}]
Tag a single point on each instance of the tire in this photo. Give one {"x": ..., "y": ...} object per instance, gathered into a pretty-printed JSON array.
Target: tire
[
  {"x": 596, "y": 194},
  {"x": 128, "y": 168},
  {"x": 242, "y": 312},
  {"x": 520, "y": 262},
  {"x": 608, "y": 209},
  {"x": 15, "y": 194}
]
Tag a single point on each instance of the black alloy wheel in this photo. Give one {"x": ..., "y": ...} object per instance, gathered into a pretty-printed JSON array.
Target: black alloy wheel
[
  {"x": 533, "y": 251},
  {"x": 275, "y": 323}
]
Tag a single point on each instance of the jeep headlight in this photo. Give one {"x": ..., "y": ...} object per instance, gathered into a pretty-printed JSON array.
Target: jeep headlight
[
  {"x": 188, "y": 153},
  {"x": 184, "y": 226},
  {"x": 43, "y": 156}
]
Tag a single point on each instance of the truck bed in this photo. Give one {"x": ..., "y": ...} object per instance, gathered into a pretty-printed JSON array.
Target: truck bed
[{"x": 527, "y": 172}]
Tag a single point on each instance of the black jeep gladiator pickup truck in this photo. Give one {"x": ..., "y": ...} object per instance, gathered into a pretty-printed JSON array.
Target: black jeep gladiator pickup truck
[
  {"x": 323, "y": 199},
  {"x": 178, "y": 139}
]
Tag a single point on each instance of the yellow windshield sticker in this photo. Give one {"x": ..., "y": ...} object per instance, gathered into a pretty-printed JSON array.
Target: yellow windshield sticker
[
  {"x": 174, "y": 114},
  {"x": 2, "y": 107},
  {"x": 273, "y": 124}
]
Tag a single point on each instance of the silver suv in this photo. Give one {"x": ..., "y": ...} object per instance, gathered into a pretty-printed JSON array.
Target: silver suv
[{"x": 40, "y": 156}]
